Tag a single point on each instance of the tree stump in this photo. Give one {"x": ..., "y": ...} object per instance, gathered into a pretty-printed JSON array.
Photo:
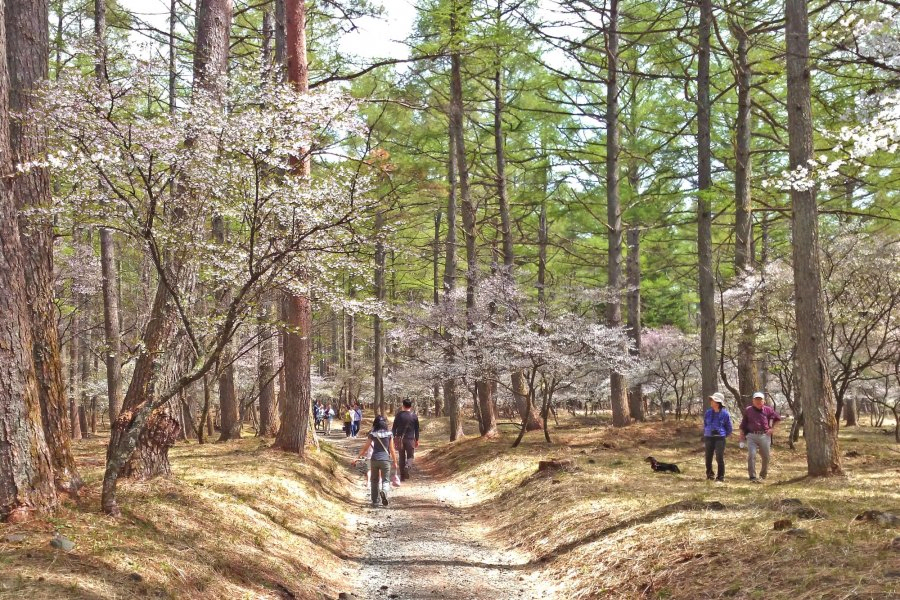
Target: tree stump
[{"x": 553, "y": 465}]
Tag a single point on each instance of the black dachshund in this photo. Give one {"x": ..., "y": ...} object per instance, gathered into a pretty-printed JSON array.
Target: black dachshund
[{"x": 662, "y": 467}]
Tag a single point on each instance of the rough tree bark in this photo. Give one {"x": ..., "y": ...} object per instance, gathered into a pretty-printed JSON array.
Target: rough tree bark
[
  {"x": 26, "y": 471},
  {"x": 617, "y": 392},
  {"x": 268, "y": 346},
  {"x": 28, "y": 42},
  {"x": 706, "y": 283},
  {"x": 748, "y": 377},
  {"x": 486, "y": 404},
  {"x": 296, "y": 309},
  {"x": 813, "y": 382}
]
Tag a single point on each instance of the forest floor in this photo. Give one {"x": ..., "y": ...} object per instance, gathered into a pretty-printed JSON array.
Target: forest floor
[
  {"x": 609, "y": 527},
  {"x": 239, "y": 520}
]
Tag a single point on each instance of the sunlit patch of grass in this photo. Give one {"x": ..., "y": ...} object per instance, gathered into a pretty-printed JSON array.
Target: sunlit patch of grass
[
  {"x": 236, "y": 520},
  {"x": 612, "y": 528}
]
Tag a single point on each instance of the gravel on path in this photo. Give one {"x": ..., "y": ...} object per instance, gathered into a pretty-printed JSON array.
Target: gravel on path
[{"x": 424, "y": 546}]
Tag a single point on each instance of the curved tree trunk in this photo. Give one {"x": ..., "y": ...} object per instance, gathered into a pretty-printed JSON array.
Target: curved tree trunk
[{"x": 28, "y": 49}]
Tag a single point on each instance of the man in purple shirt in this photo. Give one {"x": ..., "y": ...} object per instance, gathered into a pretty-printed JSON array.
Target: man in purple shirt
[{"x": 756, "y": 428}]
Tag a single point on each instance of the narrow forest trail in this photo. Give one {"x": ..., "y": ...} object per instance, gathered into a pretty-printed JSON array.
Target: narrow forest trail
[{"x": 426, "y": 545}]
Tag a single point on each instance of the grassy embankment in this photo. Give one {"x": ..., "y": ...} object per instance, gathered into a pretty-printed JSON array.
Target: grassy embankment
[
  {"x": 237, "y": 520},
  {"x": 611, "y": 528}
]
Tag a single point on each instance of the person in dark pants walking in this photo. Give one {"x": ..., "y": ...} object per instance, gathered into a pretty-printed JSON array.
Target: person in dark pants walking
[
  {"x": 406, "y": 437},
  {"x": 716, "y": 427}
]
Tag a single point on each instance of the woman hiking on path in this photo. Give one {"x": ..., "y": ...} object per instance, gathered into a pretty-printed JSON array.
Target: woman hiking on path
[{"x": 383, "y": 456}]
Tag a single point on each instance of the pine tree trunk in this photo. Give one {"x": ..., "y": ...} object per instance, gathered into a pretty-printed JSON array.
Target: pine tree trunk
[
  {"x": 748, "y": 377},
  {"x": 850, "y": 412},
  {"x": 488, "y": 416},
  {"x": 617, "y": 392},
  {"x": 268, "y": 421},
  {"x": 633, "y": 271},
  {"x": 296, "y": 310},
  {"x": 111, "y": 332},
  {"x": 813, "y": 382},
  {"x": 228, "y": 401},
  {"x": 74, "y": 386},
  {"x": 451, "y": 401},
  {"x": 526, "y": 410},
  {"x": 297, "y": 400},
  {"x": 29, "y": 47},
  {"x": 436, "y": 285},
  {"x": 379, "y": 295},
  {"x": 26, "y": 469},
  {"x": 706, "y": 282}
]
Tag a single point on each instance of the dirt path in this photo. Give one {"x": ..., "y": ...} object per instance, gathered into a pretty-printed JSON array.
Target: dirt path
[{"x": 424, "y": 546}]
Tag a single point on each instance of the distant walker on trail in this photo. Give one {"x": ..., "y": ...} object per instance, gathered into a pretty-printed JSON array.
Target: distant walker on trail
[
  {"x": 406, "y": 437},
  {"x": 756, "y": 428},
  {"x": 383, "y": 456}
]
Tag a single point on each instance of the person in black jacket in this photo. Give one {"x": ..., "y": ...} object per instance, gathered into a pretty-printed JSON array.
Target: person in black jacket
[{"x": 406, "y": 437}]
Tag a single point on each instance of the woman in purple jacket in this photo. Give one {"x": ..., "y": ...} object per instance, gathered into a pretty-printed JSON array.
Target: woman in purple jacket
[{"x": 716, "y": 427}]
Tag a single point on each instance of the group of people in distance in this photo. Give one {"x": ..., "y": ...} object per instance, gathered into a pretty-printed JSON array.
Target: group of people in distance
[
  {"x": 756, "y": 429},
  {"x": 324, "y": 417},
  {"x": 385, "y": 448}
]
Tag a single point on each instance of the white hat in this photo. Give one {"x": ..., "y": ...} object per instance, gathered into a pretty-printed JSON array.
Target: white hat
[
  {"x": 759, "y": 395},
  {"x": 718, "y": 397}
]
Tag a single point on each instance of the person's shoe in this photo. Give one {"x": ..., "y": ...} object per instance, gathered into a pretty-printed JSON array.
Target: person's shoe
[
  {"x": 754, "y": 480},
  {"x": 710, "y": 477},
  {"x": 720, "y": 481},
  {"x": 384, "y": 500}
]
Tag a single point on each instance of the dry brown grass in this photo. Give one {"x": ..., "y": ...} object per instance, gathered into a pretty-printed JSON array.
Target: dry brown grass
[
  {"x": 613, "y": 529},
  {"x": 237, "y": 520}
]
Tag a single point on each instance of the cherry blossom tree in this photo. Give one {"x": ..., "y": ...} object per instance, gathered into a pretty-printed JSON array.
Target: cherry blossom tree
[{"x": 134, "y": 172}]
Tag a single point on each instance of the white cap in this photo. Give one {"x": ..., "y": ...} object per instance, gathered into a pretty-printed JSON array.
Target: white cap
[
  {"x": 759, "y": 395},
  {"x": 718, "y": 397}
]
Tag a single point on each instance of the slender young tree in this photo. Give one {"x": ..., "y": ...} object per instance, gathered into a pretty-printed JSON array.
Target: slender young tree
[
  {"x": 633, "y": 275},
  {"x": 748, "y": 379},
  {"x": 482, "y": 385},
  {"x": 814, "y": 389},
  {"x": 451, "y": 400},
  {"x": 113, "y": 350},
  {"x": 617, "y": 391}
]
